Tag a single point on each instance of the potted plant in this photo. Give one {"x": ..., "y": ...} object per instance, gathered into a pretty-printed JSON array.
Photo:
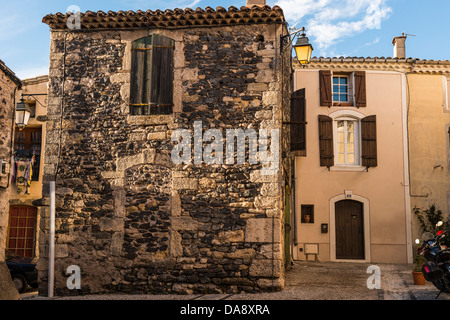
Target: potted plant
[{"x": 418, "y": 277}]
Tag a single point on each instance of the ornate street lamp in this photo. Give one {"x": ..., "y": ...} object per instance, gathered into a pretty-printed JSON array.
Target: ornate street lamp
[
  {"x": 23, "y": 113},
  {"x": 303, "y": 49}
]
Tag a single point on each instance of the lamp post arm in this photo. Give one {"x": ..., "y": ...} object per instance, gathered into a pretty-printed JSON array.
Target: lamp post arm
[{"x": 33, "y": 95}]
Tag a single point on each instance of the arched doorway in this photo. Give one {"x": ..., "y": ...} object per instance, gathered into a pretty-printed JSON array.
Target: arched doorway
[
  {"x": 353, "y": 210},
  {"x": 349, "y": 225}
]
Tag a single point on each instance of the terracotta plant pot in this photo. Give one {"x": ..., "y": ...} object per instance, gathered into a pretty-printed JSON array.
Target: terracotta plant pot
[{"x": 418, "y": 278}]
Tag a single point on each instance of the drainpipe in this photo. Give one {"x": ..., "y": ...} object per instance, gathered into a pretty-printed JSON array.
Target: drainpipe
[{"x": 51, "y": 252}]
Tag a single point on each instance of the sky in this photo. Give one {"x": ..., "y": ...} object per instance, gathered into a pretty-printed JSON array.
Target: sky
[{"x": 355, "y": 28}]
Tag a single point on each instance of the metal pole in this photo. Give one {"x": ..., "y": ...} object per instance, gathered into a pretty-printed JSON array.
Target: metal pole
[{"x": 51, "y": 252}]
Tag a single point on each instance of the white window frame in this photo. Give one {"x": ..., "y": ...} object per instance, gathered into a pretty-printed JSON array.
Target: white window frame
[
  {"x": 350, "y": 88},
  {"x": 348, "y": 115},
  {"x": 357, "y": 141}
]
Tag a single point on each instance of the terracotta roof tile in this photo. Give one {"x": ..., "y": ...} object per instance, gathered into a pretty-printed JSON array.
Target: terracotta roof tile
[
  {"x": 379, "y": 59},
  {"x": 176, "y": 18}
]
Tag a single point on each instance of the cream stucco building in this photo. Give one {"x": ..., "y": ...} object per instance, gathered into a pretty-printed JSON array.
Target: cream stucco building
[
  {"x": 429, "y": 137},
  {"x": 377, "y": 145},
  {"x": 28, "y": 152}
]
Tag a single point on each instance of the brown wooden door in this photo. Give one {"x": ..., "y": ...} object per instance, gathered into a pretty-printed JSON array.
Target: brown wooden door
[
  {"x": 349, "y": 230},
  {"x": 22, "y": 231}
]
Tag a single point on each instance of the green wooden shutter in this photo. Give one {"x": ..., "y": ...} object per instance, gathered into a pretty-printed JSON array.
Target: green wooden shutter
[
  {"x": 326, "y": 148},
  {"x": 369, "y": 141},
  {"x": 298, "y": 119}
]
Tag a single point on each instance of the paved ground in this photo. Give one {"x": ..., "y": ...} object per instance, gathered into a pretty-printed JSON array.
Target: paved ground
[{"x": 313, "y": 281}]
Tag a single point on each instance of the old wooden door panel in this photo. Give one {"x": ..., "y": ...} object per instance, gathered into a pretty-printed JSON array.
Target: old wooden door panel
[{"x": 349, "y": 230}]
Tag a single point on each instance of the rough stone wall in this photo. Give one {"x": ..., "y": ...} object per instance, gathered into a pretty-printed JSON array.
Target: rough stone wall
[
  {"x": 7, "y": 87},
  {"x": 126, "y": 215},
  {"x": 6, "y": 119}
]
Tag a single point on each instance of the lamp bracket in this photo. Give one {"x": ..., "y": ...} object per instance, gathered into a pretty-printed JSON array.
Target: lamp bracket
[
  {"x": 33, "y": 95},
  {"x": 286, "y": 39}
]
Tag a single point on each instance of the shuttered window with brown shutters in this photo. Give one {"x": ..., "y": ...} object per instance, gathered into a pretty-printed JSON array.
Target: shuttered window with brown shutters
[
  {"x": 326, "y": 141},
  {"x": 152, "y": 75},
  {"x": 298, "y": 122},
  {"x": 369, "y": 142},
  {"x": 326, "y": 89},
  {"x": 326, "y": 96}
]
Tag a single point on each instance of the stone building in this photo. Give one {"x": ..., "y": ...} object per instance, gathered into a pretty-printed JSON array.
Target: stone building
[
  {"x": 9, "y": 84},
  {"x": 120, "y": 89}
]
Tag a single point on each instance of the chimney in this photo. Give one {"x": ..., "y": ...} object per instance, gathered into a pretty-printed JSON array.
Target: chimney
[
  {"x": 251, "y": 3},
  {"x": 399, "y": 46}
]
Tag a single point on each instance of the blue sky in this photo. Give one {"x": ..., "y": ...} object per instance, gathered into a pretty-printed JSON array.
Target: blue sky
[{"x": 361, "y": 28}]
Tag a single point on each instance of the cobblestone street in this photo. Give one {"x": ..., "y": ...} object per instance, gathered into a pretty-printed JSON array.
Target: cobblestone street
[{"x": 312, "y": 281}]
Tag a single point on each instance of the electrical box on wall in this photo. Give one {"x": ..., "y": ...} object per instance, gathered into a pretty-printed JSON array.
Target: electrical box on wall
[
  {"x": 3, "y": 174},
  {"x": 3, "y": 169},
  {"x": 324, "y": 228}
]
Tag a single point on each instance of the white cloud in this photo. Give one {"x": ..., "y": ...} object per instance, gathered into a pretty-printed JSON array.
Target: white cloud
[{"x": 328, "y": 22}]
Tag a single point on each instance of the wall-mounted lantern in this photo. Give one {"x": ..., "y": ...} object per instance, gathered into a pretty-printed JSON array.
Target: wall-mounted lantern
[
  {"x": 23, "y": 113},
  {"x": 303, "y": 48}
]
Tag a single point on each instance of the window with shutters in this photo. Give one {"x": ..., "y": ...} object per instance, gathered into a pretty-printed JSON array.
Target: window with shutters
[
  {"x": 152, "y": 64},
  {"x": 342, "y": 89},
  {"x": 348, "y": 140}
]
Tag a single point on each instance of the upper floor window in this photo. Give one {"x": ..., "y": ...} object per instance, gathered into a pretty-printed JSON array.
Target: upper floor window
[
  {"x": 28, "y": 143},
  {"x": 347, "y": 141},
  {"x": 152, "y": 74},
  {"x": 341, "y": 89},
  {"x": 341, "y": 85}
]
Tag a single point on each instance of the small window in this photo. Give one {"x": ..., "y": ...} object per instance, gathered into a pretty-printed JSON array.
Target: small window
[
  {"x": 28, "y": 143},
  {"x": 307, "y": 213},
  {"x": 341, "y": 89},
  {"x": 152, "y": 74}
]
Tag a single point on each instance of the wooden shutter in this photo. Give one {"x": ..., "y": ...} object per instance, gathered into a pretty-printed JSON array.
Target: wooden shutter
[
  {"x": 161, "y": 97},
  {"x": 369, "y": 141},
  {"x": 326, "y": 95},
  {"x": 152, "y": 68},
  {"x": 326, "y": 141},
  {"x": 298, "y": 115},
  {"x": 141, "y": 68},
  {"x": 360, "y": 89}
]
